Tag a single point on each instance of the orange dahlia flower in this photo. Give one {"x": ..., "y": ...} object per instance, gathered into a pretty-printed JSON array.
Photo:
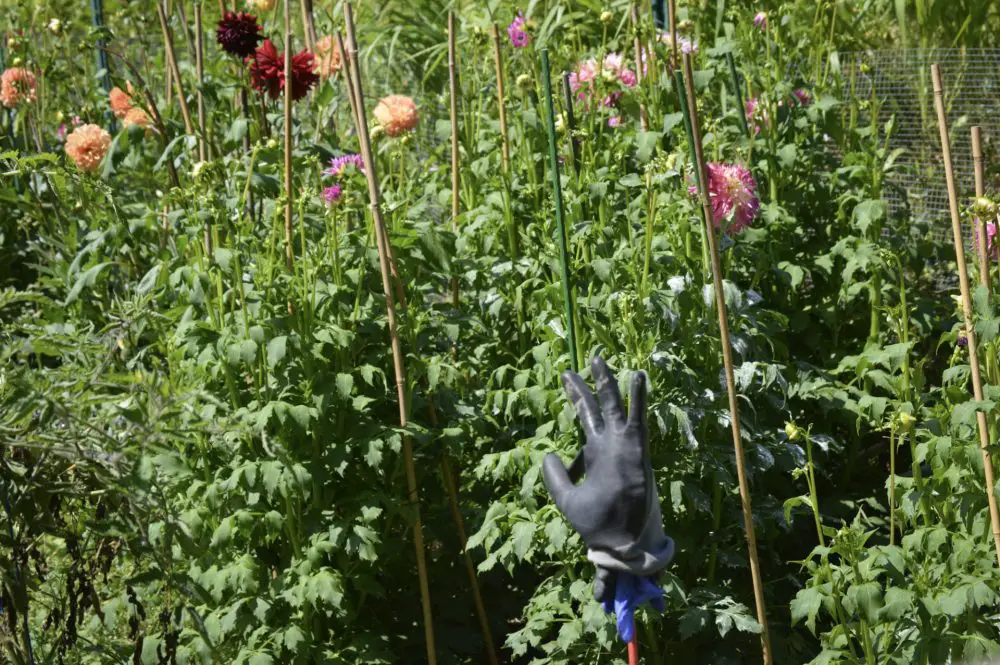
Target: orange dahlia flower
[
  {"x": 87, "y": 146},
  {"x": 17, "y": 86},
  {"x": 136, "y": 116},
  {"x": 396, "y": 114},
  {"x": 121, "y": 101},
  {"x": 328, "y": 57}
]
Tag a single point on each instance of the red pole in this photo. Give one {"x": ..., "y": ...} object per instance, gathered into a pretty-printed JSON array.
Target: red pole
[{"x": 633, "y": 647}]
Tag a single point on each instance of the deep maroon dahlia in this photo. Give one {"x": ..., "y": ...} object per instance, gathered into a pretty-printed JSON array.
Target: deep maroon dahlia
[
  {"x": 267, "y": 71},
  {"x": 238, "y": 34}
]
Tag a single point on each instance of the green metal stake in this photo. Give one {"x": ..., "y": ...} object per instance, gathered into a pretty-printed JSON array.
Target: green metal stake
[
  {"x": 560, "y": 225},
  {"x": 97, "y": 18},
  {"x": 741, "y": 111},
  {"x": 682, "y": 100}
]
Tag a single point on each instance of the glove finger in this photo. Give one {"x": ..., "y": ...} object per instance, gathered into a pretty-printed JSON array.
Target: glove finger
[
  {"x": 584, "y": 403},
  {"x": 637, "y": 401},
  {"x": 558, "y": 483},
  {"x": 607, "y": 392},
  {"x": 604, "y": 588}
]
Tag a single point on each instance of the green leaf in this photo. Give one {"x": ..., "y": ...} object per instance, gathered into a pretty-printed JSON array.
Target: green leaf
[
  {"x": 276, "y": 349},
  {"x": 866, "y": 599},
  {"x": 345, "y": 383},
  {"x": 630, "y": 180},
  {"x": 556, "y": 532},
  {"x": 522, "y": 535},
  {"x": 805, "y": 606},
  {"x": 786, "y": 155},
  {"x": 292, "y": 638},
  {"x": 898, "y": 603},
  {"x": 85, "y": 280},
  {"x": 222, "y": 532},
  {"x": 148, "y": 281},
  {"x": 324, "y": 588},
  {"x": 646, "y": 143},
  {"x": 261, "y": 658}
]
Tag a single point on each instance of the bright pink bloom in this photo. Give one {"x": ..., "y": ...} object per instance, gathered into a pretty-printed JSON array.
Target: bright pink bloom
[
  {"x": 803, "y": 96},
  {"x": 760, "y": 20},
  {"x": 61, "y": 132},
  {"x": 333, "y": 193},
  {"x": 627, "y": 78},
  {"x": 614, "y": 121},
  {"x": 734, "y": 196},
  {"x": 519, "y": 36},
  {"x": 992, "y": 248}
]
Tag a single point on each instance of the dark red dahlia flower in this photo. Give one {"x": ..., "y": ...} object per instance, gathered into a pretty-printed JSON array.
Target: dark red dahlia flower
[
  {"x": 304, "y": 74},
  {"x": 238, "y": 34},
  {"x": 267, "y": 71}
]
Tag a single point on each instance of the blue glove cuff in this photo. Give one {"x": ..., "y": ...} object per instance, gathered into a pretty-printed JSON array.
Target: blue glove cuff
[{"x": 631, "y": 591}]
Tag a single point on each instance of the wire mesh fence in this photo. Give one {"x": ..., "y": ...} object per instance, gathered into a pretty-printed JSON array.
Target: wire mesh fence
[{"x": 899, "y": 81}]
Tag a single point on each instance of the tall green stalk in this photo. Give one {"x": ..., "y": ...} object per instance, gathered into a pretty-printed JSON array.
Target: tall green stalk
[{"x": 560, "y": 224}]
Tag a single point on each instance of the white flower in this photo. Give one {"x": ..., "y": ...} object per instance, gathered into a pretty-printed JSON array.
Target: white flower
[{"x": 55, "y": 26}]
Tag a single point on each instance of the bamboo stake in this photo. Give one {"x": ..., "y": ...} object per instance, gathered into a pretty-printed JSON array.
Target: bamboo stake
[
  {"x": 352, "y": 99},
  {"x": 168, "y": 41},
  {"x": 382, "y": 240},
  {"x": 560, "y": 225},
  {"x": 984, "y": 241},
  {"x": 963, "y": 281},
  {"x": 643, "y": 116},
  {"x": 182, "y": 14},
  {"x": 308, "y": 30},
  {"x": 455, "y": 182},
  {"x": 199, "y": 63},
  {"x": 498, "y": 63},
  {"x": 727, "y": 361}
]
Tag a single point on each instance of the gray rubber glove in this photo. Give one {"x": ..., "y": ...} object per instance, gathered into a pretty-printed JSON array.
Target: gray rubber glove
[{"x": 615, "y": 509}]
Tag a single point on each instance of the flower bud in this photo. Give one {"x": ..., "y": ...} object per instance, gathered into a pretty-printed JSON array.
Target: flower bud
[
  {"x": 17, "y": 62},
  {"x": 271, "y": 144},
  {"x": 560, "y": 123},
  {"x": 906, "y": 421},
  {"x": 792, "y": 431},
  {"x": 524, "y": 82},
  {"x": 685, "y": 25},
  {"x": 607, "y": 17},
  {"x": 55, "y": 26}
]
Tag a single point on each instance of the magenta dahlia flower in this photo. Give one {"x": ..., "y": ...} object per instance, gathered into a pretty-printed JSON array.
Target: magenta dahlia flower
[
  {"x": 992, "y": 248},
  {"x": 518, "y": 33},
  {"x": 238, "y": 34},
  {"x": 332, "y": 193},
  {"x": 733, "y": 192}
]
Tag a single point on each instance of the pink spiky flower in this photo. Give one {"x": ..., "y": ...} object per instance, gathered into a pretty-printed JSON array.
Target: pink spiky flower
[
  {"x": 338, "y": 164},
  {"x": 733, "y": 192}
]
